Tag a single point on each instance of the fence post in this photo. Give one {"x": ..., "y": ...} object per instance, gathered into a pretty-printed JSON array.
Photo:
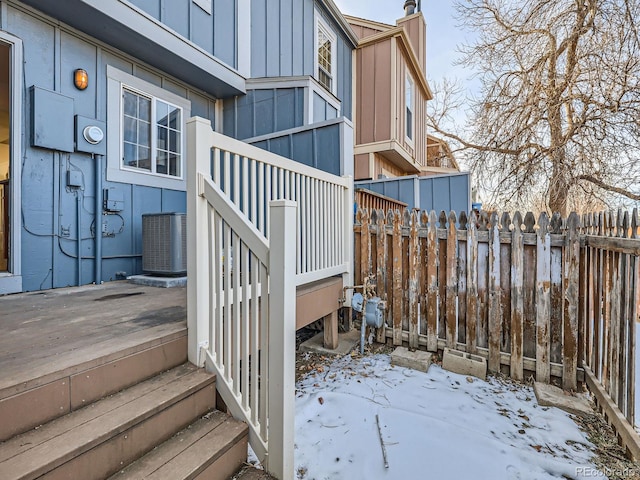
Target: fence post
[
  {"x": 198, "y": 263},
  {"x": 282, "y": 338},
  {"x": 570, "y": 314},
  {"x": 347, "y": 242}
]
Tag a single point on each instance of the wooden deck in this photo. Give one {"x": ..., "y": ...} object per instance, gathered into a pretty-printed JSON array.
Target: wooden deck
[{"x": 49, "y": 333}]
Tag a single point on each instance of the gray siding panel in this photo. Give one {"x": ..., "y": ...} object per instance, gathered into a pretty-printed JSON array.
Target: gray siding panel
[
  {"x": 224, "y": 31},
  {"x": 282, "y": 35},
  {"x": 214, "y": 33},
  {"x": 201, "y": 31},
  {"x": 152, "y": 7},
  {"x": 298, "y": 28},
  {"x": 345, "y": 76},
  {"x": 175, "y": 14}
]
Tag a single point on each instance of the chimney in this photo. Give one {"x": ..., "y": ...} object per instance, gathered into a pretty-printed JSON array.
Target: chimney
[{"x": 410, "y": 7}]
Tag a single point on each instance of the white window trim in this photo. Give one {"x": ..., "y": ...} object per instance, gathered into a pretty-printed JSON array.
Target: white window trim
[
  {"x": 11, "y": 282},
  {"x": 409, "y": 79},
  {"x": 116, "y": 172},
  {"x": 321, "y": 23}
]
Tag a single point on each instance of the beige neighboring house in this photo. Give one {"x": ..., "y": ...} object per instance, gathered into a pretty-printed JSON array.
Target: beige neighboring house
[{"x": 391, "y": 94}]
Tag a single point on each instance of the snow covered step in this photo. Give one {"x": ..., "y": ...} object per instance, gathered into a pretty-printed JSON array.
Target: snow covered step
[{"x": 214, "y": 448}]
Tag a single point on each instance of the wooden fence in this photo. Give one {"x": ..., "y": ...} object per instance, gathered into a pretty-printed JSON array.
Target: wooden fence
[
  {"x": 544, "y": 298},
  {"x": 369, "y": 200}
]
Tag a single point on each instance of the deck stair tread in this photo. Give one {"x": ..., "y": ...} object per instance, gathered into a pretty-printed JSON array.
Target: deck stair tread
[
  {"x": 39, "y": 451},
  {"x": 190, "y": 452}
]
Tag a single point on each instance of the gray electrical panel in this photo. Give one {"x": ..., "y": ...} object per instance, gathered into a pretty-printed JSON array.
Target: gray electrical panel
[{"x": 51, "y": 120}]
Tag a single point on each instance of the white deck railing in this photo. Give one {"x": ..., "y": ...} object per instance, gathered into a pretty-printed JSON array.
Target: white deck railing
[{"x": 257, "y": 223}]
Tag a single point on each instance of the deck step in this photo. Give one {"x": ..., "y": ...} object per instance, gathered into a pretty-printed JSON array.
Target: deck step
[
  {"x": 30, "y": 402},
  {"x": 212, "y": 448},
  {"x": 98, "y": 440}
]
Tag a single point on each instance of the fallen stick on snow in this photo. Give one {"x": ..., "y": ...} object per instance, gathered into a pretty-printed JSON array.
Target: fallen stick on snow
[{"x": 384, "y": 449}]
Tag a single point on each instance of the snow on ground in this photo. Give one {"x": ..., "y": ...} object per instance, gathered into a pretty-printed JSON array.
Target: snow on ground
[{"x": 434, "y": 425}]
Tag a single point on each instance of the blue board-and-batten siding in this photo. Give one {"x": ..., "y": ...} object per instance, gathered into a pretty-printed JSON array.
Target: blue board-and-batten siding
[
  {"x": 265, "y": 111},
  {"x": 438, "y": 192},
  {"x": 215, "y": 33},
  {"x": 49, "y": 207},
  {"x": 318, "y": 147},
  {"x": 282, "y": 43}
]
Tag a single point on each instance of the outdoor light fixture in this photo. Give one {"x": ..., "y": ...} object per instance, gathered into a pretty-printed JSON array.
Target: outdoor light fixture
[{"x": 80, "y": 79}]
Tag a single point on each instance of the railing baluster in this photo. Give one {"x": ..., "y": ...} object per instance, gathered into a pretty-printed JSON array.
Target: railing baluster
[
  {"x": 254, "y": 337},
  {"x": 245, "y": 328},
  {"x": 226, "y": 324},
  {"x": 245, "y": 188},
  {"x": 235, "y": 331},
  {"x": 261, "y": 201}
]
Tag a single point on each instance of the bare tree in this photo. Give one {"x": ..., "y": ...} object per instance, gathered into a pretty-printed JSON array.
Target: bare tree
[{"x": 559, "y": 106}]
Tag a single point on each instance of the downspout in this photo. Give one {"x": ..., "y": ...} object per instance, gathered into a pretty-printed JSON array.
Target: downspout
[
  {"x": 79, "y": 215},
  {"x": 98, "y": 220}
]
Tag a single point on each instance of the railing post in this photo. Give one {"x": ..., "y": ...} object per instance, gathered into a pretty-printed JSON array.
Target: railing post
[
  {"x": 198, "y": 261},
  {"x": 282, "y": 341},
  {"x": 347, "y": 277}
]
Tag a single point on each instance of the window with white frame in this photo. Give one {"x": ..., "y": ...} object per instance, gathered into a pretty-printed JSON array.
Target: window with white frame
[
  {"x": 152, "y": 134},
  {"x": 409, "y": 103},
  {"x": 148, "y": 148},
  {"x": 325, "y": 55}
]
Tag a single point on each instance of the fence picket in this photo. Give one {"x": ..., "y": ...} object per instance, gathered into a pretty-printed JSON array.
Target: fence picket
[
  {"x": 432, "y": 284},
  {"x": 414, "y": 270},
  {"x": 570, "y": 327},
  {"x": 452, "y": 281},
  {"x": 494, "y": 313},
  {"x": 472, "y": 284},
  {"x": 381, "y": 274},
  {"x": 397, "y": 298},
  {"x": 517, "y": 297},
  {"x": 543, "y": 300}
]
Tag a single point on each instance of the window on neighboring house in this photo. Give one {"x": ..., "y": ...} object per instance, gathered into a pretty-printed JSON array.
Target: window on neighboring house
[
  {"x": 326, "y": 54},
  {"x": 409, "y": 87},
  {"x": 152, "y": 134},
  {"x": 149, "y": 148}
]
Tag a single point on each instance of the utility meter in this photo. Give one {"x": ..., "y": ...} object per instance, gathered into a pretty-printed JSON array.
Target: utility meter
[{"x": 93, "y": 134}]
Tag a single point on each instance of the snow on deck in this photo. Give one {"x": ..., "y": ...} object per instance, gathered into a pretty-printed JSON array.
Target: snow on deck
[{"x": 434, "y": 425}]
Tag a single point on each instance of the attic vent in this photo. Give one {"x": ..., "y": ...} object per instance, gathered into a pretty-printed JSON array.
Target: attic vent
[{"x": 164, "y": 243}]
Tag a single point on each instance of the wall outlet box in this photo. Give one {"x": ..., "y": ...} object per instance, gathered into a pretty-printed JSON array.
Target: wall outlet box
[{"x": 74, "y": 179}]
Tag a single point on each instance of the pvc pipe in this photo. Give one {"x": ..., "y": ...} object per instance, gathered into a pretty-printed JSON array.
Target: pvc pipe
[
  {"x": 98, "y": 220},
  {"x": 79, "y": 215}
]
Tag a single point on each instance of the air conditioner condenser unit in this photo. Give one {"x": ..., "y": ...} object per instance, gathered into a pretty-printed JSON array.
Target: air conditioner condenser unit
[{"x": 164, "y": 244}]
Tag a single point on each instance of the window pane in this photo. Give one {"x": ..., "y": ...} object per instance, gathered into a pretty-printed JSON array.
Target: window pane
[
  {"x": 409, "y": 124},
  {"x": 130, "y": 133},
  {"x": 130, "y": 104},
  {"x": 144, "y": 134},
  {"x": 174, "y": 165},
  {"x": 162, "y": 141},
  {"x": 174, "y": 117},
  {"x": 144, "y": 158},
  {"x": 162, "y": 113},
  {"x": 174, "y": 138},
  {"x": 130, "y": 158},
  {"x": 161, "y": 162},
  {"x": 144, "y": 108}
]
